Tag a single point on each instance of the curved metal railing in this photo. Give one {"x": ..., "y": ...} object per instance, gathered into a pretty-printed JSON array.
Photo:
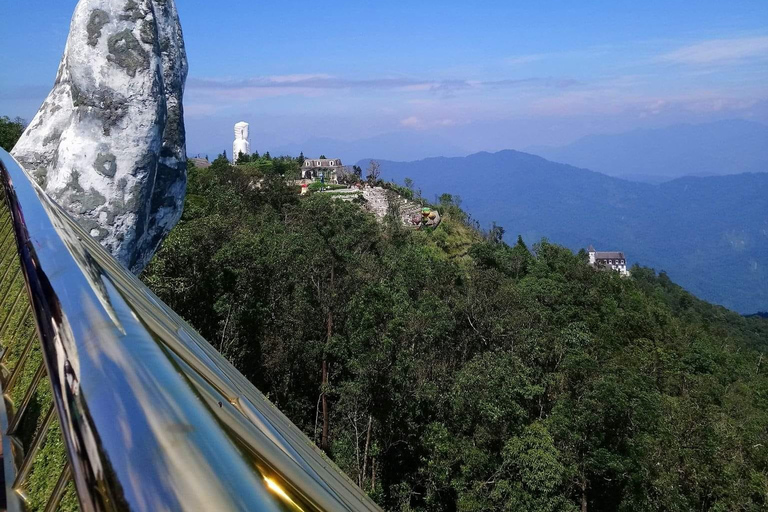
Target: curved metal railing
[{"x": 112, "y": 402}]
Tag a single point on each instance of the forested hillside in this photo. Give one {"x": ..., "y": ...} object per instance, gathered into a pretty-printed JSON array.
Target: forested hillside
[
  {"x": 709, "y": 234},
  {"x": 447, "y": 370}
]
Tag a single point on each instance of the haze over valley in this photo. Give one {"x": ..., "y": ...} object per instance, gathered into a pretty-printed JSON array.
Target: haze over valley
[
  {"x": 655, "y": 155},
  {"x": 709, "y": 234}
]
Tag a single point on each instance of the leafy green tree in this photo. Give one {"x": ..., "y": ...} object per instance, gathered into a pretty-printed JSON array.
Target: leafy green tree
[
  {"x": 10, "y": 131},
  {"x": 496, "y": 234}
]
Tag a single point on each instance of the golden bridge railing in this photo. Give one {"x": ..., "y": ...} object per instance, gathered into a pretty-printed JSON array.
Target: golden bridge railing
[{"x": 112, "y": 402}]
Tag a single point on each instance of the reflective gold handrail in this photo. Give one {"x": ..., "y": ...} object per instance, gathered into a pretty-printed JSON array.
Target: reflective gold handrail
[{"x": 151, "y": 416}]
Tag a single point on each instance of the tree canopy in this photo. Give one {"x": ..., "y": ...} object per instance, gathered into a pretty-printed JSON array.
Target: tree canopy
[
  {"x": 448, "y": 370},
  {"x": 10, "y": 131}
]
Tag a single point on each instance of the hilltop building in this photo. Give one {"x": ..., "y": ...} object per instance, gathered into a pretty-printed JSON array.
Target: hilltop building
[
  {"x": 608, "y": 259},
  {"x": 330, "y": 167}
]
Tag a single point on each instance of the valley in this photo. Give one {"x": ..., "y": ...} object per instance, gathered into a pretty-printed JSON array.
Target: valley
[{"x": 710, "y": 234}]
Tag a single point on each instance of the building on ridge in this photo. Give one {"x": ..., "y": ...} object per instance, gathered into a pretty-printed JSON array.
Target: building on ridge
[
  {"x": 613, "y": 260},
  {"x": 329, "y": 167}
]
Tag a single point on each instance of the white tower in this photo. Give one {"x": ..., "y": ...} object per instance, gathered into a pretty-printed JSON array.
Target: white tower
[{"x": 241, "y": 144}]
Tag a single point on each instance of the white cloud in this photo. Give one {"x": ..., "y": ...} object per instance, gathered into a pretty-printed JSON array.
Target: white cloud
[
  {"x": 720, "y": 51},
  {"x": 426, "y": 86},
  {"x": 418, "y": 123},
  {"x": 411, "y": 122},
  {"x": 327, "y": 82},
  {"x": 524, "y": 59},
  {"x": 296, "y": 78}
]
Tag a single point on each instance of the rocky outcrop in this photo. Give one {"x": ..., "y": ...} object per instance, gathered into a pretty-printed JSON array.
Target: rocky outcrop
[
  {"x": 381, "y": 201},
  {"x": 108, "y": 144}
]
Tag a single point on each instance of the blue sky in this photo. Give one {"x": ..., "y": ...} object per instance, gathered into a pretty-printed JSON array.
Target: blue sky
[{"x": 477, "y": 75}]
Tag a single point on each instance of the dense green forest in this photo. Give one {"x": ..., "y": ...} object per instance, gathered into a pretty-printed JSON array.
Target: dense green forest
[{"x": 447, "y": 370}]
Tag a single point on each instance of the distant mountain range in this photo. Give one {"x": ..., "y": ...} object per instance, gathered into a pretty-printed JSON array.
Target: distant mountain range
[
  {"x": 722, "y": 147},
  {"x": 407, "y": 145},
  {"x": 645, "y": 155},
  {"x": 710, "y": 234}
]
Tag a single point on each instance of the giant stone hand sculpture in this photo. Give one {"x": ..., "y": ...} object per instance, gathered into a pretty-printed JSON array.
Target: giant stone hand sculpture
[
  {"x": 241, "y": 144},
  {"x": 108, "y": 144}
]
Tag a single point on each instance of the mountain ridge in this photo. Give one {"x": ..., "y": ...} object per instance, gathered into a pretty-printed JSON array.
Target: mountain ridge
[
  {"x": 401, "y": 146},
  {"x": 709, "y": 233},
  {"x": 720, "y": 147}
]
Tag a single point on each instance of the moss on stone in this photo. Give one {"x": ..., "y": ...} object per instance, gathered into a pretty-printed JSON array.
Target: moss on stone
[
  {"x": 96, "y": 22},
  {"x": 105, "y": 164},
  {"x": 147, "y": 32},
  {"x": 132, "y": 12},
  {"x": 78, "y": 199},
  {"x": 126, "y": 51}
]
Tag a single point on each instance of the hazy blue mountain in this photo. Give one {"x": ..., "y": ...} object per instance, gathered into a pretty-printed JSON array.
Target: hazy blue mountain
[
  {"x": 406, "y": 145},
  {"x": 723, "y": 147},
  {"x": 709, "y": 233}
]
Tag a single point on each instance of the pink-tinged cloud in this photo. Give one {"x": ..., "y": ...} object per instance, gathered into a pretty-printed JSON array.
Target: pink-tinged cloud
[{"x": 720, "y": 51}]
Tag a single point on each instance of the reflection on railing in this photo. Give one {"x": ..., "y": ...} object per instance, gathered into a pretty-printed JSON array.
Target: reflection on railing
[
  {"x": 36, "y": 468},
  {"x": 112, "y": 402}
]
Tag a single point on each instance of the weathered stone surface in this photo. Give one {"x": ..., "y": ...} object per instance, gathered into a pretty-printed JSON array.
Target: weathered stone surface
[
  {"x": 108, "y": 144},
  {"x": 381, "y": 201}
]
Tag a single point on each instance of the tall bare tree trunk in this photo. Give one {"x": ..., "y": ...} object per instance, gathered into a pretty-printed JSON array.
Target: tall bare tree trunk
[
  {"x": 324, "y": 437},
  {"x": 583, "y": 494},
  {"x": 360, "y": 474},
  {"x": 329, "y": 327},
  {"x": 317, "y": 415},
  {"x": 365, "y": 452},
  {"x": 373, "y": 473}
]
